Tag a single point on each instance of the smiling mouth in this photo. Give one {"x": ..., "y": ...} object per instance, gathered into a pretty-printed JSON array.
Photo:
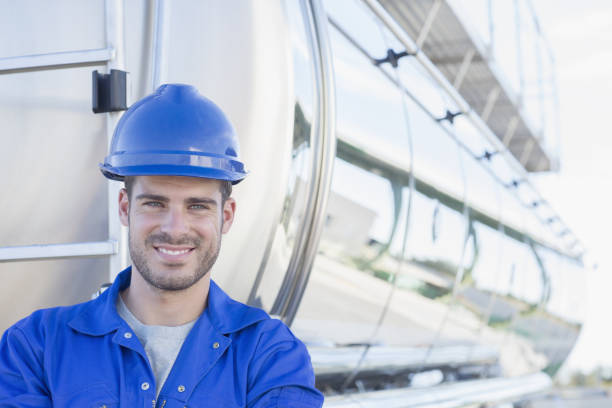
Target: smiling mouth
[{"x": 173, "y": 254}]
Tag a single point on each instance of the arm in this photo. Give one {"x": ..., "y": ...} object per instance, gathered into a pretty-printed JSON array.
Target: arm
[
  {"x": 21, "y": 372},
  {"x": 280, "y": 373}
]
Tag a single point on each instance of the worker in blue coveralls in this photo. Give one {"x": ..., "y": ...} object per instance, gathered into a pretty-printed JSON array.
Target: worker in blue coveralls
[{"x": 164, "y": 334}]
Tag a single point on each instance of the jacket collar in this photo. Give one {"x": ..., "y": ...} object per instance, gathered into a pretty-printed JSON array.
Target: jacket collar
[
  {"x": 100, "y": 317},
  {"x": 227, "y": 315}
]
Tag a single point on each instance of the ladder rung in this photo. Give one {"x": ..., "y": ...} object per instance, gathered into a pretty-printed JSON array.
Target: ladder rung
[
  {"x": 54, "y": 251},
  {"x": 54, "y": 60}
]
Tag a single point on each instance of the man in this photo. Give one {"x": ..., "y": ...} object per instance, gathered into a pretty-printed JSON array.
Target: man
[{"x": 163, "y": 335}]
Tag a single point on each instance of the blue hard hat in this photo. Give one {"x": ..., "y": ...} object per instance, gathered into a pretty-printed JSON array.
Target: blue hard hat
[{"x": 174, "y": 132}]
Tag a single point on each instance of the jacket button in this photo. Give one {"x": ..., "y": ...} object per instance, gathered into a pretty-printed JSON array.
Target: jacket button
[
  {"x": 145, "y": 386},
  {"x": 215, "y": 345},
  {"x": 127, "y": 335},
  {"x": 181, "y": 388}
]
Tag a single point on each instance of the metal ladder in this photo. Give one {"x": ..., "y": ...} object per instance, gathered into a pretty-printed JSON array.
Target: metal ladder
[{"x": 113, "y": 56}]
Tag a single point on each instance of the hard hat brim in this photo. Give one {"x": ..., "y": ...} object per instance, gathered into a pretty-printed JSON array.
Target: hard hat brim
[{"x": 186, "y": 164}]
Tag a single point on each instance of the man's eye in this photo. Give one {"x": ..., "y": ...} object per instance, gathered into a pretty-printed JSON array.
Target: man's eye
[
  {"x": 198, "y": 207},
  {"x": 153, "y": 204}
]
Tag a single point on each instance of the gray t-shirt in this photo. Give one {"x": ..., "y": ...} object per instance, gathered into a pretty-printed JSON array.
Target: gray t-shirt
[{"x": 161, "y": 343}]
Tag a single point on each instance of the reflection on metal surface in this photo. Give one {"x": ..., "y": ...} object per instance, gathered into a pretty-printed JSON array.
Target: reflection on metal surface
[
  {"x": 449, "y": 46},
  {"x": 283, "y": 235},
  {"x": 462, "y": 105},
  {"x": 438, "y": 261},
  {"x": 460, "y": 395},
  {"x": 271, "y": 278},
  {"x": 388, "y": 360},
  {"x": 467, "y": 278},
  {"x": 324, "y": 146}
]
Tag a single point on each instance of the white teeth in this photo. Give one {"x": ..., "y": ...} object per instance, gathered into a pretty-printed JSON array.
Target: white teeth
[{"x": 170, "y": 252}]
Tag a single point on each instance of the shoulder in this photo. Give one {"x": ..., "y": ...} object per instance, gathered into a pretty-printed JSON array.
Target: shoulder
[
  {"x": 233, "y": 317},
  {"x": 230, "y": 316},
  {"x": 272, "y": 330},
  {"x": 248, "y": 325}
]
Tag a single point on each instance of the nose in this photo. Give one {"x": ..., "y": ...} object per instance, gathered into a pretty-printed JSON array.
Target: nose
[{"x": 175, "y": 223}]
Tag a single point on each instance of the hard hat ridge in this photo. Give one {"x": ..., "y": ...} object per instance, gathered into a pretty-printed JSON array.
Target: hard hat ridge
[{"x": 174, "y": 131}]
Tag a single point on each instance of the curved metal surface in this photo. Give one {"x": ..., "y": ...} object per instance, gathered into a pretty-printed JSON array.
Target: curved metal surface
[{"x": 324, "y": 148}]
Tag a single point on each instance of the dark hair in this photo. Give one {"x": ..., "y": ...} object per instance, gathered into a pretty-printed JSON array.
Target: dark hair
[{"x": 225, "y": 188}]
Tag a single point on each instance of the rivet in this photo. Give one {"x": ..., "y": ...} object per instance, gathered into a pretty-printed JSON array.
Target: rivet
[
  {"x": 127, "y": 335},
  {"x": 181, "y": 388},
  {"x": 145, "y": 386},
  {"x": 215, "y": 345}
]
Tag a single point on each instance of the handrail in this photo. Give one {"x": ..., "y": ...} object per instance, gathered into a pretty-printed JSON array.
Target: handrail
[
  {"x": 55, "y": 60},
  {"x": 57, "y": 251},
  {"x": 324, "y": 148}
]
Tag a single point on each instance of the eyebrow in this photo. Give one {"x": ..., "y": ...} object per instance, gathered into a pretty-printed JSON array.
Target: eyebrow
[
  {"x": 154, "y": 197},
  {"x": 190, "y": 200},
  {"x": 201, "y": 200}
]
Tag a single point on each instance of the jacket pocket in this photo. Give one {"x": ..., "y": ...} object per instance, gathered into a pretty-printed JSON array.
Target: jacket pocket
[{"x": 94, "y": 396}]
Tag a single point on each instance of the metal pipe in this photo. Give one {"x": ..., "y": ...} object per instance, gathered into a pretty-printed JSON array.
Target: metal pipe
[
  {"x": 463, "y": 69},
  {"x": 54, "y": 251},
  {"x": 116, "y": 232},
  {"x": 491, "y": 99},
  {"x": 458, "y": 395},
  {"x": 509, "y": 134},
  {"x": 443, "y": 83},
  {"x": 41, "y": 62},
  {"x": 160, "y": 34},
  {"x": 431, "y": 16}
]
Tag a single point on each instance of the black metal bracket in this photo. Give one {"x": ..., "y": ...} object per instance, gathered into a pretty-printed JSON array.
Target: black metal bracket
[
  {"x": 109, "y": 91},
  {"x": 538, "y": 203},
  {"x": 552, "y": 219},
  {"x": 487, "y": 155},
  {"x": 450, "y": 116},
  {"x": 392, "y": 58},
  {"x": 514, "y": 183}
]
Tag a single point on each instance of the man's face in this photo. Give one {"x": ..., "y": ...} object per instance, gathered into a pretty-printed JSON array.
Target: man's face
[{"x": 175, "y": 226}]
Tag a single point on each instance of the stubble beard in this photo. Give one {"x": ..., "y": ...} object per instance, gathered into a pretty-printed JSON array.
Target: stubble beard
[{"x": 163, "y": 282}]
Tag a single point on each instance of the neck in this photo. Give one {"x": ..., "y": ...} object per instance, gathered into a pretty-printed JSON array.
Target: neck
[{"x": 153, "y": 306}]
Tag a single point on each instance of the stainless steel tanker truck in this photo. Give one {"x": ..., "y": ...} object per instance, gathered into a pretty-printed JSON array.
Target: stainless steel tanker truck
[{"x": 389, "y": 217}]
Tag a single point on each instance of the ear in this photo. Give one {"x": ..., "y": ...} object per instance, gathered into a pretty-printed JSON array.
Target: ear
[
  {"x": 229, "y": 208},
  {"x": 124, "y": 207}
]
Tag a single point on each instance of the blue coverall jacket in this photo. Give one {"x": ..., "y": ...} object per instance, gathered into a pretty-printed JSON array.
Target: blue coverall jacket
[{"x": 87, "y": 356}]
